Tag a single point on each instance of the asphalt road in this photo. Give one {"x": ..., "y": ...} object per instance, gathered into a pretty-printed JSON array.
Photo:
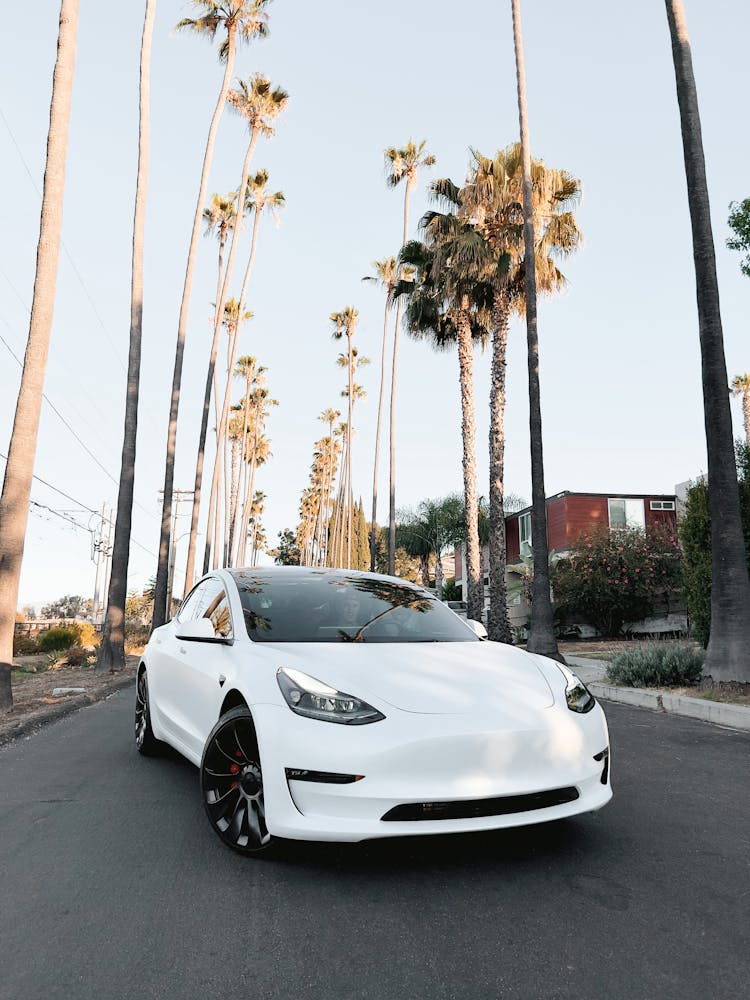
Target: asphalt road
[{"x": 113, "y": 886}]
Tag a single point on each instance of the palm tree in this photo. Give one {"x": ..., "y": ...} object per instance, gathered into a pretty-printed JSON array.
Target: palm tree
[
  {"x": 741, "y": 387},
  {"x": 14, "y": 501},
  {"x": 262, "y": 108},
  {"x": 233, "y": 319},
  {"x": 219, "y": 219},
  {"x": 386, "y": 273},
  {"x": 242, "y": 20},
  {"x": 739, "y": 223},
  {"x": 401, "y": 165},
  {"x": 492, "y": 198},
  {"x": 111, "y": 655},
  {"x": 541, "y": 632},
  {"x": 258, "y": 454},
  {"x": 728, "y": 652},
  {"x": 328, "y": 416},
  {"x": 344, "y": 325},
  {"x": 449, "y": 303}
]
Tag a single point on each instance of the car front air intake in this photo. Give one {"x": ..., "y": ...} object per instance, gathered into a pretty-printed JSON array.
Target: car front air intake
[{"x": 471, "y": 808}]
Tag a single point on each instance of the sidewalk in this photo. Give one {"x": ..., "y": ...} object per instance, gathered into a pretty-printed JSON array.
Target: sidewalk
[{"x": 594, "y": 675}]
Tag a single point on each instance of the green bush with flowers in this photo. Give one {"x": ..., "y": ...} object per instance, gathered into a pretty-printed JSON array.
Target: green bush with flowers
[{"x": 614, "y": 577}]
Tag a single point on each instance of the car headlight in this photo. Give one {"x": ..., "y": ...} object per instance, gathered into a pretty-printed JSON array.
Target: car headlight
[
  {"x": 315, "y": 700},
  {"x": 577, "y": 695}
]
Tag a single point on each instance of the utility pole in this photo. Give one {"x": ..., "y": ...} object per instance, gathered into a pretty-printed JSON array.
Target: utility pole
[
  {"x": 101, "y": 554},
  {"x": 177, "y": 497}
]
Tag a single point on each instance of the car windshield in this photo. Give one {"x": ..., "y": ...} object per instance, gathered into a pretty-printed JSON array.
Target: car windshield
[{"x": 320, "y": 606}]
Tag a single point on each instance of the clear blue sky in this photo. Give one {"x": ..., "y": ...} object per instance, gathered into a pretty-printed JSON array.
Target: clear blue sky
[{"x": 620, "y": 364}]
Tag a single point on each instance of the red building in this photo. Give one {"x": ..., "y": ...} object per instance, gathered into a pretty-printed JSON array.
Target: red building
[{"x": 569, "y": 515}]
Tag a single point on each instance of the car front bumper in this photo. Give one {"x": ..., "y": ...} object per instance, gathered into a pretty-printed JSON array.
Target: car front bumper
[{"x": 427, "y": 759}]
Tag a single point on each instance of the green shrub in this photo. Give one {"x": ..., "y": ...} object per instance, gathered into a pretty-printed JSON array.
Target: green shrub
[
  {"x": 657, "y": 665},
  {"x": 24, "y": 645},
  {"x": 61, "y": 637},
  {"x": 614, "y": 577}
]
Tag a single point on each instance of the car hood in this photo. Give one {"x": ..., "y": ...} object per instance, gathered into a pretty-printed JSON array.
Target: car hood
[{"x": 441, "y": 677}]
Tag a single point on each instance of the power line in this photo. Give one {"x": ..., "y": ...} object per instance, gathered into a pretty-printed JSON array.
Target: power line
[
  {"x": 61, "y": 492},
  {"x": 65, "y": 248},
  {"x": 71, "y": 373},
  {"x": 52, "y": 406},
  {"x": 79, "y": 504},
  {"x": 82, "y": 443}
]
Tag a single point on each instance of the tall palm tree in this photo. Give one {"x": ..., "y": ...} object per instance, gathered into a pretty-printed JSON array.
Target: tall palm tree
[
  {"x": 111, "y": 654},
  {"x": 449, "y": 303},
  {"x": 219, "y": 219},
  {"x": 492, "y": 199},
  {"x": 242, "y": 20},
  {"x": 741, "y": 387},
  {"x": 344, "y": 325},
  {"x": 401, "y": 165},
  {"x": 728, "y": 652},
  {"x": 328, "y": 416},
  {"x": 386, "y": 273},
  {"x": 261, "y": 105},
  {"x": 257, "y": 453},
  {"x": 541, "y": 632},
  {"x": 14, "y": 500}
]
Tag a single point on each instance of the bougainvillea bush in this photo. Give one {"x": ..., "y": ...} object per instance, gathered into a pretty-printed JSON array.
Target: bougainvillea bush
[{"x": 611, "y": 578}]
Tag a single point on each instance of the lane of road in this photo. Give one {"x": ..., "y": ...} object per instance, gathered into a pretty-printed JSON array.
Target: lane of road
[{"x": 112, "y": 885}]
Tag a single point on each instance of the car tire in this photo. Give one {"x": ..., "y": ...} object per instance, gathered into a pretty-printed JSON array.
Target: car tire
[
  {"x": 145, "y": 741},
  {"x": 232, "y": 784}
]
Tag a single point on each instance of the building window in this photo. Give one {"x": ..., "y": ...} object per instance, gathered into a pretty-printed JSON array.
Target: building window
[
  {"x": 524, "y": 533},
  {"x": 662, "y": 505},
  {"x": 626, "y": 513}
]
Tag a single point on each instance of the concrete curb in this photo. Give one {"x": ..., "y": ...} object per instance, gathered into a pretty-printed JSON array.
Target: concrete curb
[
  {"x": 721, "y": 714},
  {"x": 31, "y": 723}
]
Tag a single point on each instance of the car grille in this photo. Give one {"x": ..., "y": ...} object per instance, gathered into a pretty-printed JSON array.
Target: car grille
[{"x": 469, "y": 808}]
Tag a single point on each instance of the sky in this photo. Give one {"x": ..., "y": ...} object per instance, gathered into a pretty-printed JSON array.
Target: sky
[{"x": 620, "y": 364}]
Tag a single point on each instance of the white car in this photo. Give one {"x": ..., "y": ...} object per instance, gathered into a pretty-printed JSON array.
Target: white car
[{"x": 335, "y": 705}]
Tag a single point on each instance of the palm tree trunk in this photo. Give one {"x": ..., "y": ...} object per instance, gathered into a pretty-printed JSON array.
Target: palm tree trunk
[
  {"x": 381, "y": 396},
  {"x": 541, "y": 633},
  {"x": 160, "y": 591},
  {"x": 234, "y": 340},
  {"x": 349, "y": 458},
  {"x": 111, "y": 654},
  {"x": 241, "y": 508},
  {"x": 475, "y": 590},
  {"x": 210, "y": 529},
  {"x": 392, "y": 427},
  {"x": 234, "y": 497},
  {"x": 498, "y": 626},
  {"x": 210, "y": 375},
  {"x": 728, "y": 652},
  {"x": 14, "y": 501}
]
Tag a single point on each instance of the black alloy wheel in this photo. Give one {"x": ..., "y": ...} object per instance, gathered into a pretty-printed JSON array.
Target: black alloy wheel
[
  {"x": 145, "y": 741},
  {"x": 232, "y": 783}
]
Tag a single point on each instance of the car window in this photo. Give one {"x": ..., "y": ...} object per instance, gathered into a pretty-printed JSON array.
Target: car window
[
  {"x": 191, "y": 606},
  {"x": 323, "y": 607},
  {"x": 219, "y": 614}
]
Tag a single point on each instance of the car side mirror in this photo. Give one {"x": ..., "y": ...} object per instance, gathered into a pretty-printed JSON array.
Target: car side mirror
[
  {"x": 199, "y": 630},
  {"x": 477, "y": 628}
]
